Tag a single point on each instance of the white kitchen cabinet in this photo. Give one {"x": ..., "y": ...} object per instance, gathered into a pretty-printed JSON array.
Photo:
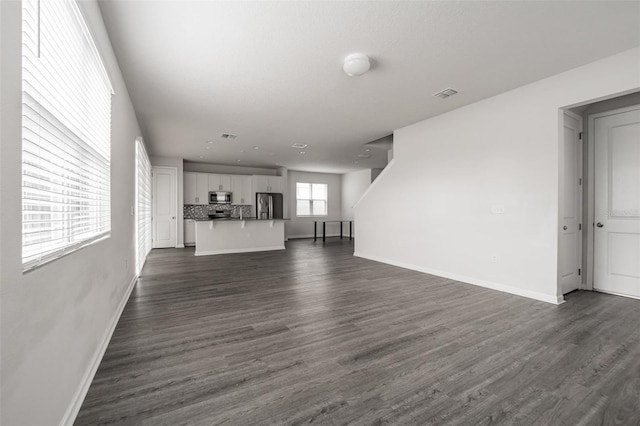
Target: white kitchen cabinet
[
  {"x": 241, "y": 190},
  {"x": 267, "y": 183},
  {"x": 219, "y": 182},
  {"x": 189, "y": 188},
  {"x": 196, "y": 188},
  {"x": 189, "y": 232},
  {"x": 202, "y": 188}
]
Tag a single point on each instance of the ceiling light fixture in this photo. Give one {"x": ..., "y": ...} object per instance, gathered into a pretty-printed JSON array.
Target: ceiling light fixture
[
  {"x": 256, "y": 147},
  {"x": 356, "y": 64},
  {"x": 302, "y": 152},
  {"x": 299, "y": 145}
]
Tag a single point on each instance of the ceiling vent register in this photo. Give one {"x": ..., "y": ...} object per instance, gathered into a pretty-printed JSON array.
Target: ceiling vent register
[{"x": 445, "y": 93}]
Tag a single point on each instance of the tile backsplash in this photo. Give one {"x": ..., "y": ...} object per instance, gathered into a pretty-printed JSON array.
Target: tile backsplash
[{"x": 198, "y": 211}]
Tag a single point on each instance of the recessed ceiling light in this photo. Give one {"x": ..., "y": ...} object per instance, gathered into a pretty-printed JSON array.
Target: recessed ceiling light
[
  {"x": 209, "y": 142},
  {"x": 367, "y": 150},
  {"x": 299, "y": 145},
  {"x": 238, "y": 161},
  {"x": 200, "y": 156},
  {"x": 356, "y": 64},
  {"x": 302, "y": 152},
  {"x": 256, "y": 147}
]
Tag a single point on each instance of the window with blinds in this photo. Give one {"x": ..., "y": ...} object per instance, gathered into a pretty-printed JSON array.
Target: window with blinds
[
  {"x": 66, "y": 133},
  {"x": 311, "y": 199},
  {"x": 143, "y": 203}
]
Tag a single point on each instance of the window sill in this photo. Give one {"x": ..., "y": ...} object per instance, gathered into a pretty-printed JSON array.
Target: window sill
[{"x": 51, "y": 257}]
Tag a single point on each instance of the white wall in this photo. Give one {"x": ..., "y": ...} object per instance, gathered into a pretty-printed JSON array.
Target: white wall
[
  {"x": 56, "y": 319},
  {"x": 178, "y": 164},
  {"x": 354, "y": 184},
  {"x": 301, "y": 227},
  {"x": 224, "y": 169},
  {"x": 449, "y": 170}
]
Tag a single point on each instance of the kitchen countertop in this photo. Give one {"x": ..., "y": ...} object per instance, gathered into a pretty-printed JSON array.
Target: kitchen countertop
[{"x": 237, "y": 219}]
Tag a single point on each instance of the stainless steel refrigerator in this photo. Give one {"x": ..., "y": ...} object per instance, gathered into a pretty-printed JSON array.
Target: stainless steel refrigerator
[{"x": 268, "y": 205}]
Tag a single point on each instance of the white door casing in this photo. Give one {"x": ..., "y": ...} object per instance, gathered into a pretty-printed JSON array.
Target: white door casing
[
  {"x": 164, "y": 207},
  {"x": 616, "y": 230},
  {"x": 570, "y": 192}
]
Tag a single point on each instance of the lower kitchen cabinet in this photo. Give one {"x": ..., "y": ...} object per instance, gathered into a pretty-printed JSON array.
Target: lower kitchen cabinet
[{"x": 189, "y": 232}]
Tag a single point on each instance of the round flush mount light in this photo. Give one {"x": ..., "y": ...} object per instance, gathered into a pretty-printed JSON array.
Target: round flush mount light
[{"x": 356, "y": 64}]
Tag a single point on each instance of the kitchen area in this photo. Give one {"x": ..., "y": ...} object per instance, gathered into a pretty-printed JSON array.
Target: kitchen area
[{"x": 226, "y": 213}]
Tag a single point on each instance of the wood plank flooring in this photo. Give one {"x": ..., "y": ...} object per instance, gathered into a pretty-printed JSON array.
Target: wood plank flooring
[{"x": 315, "y": 335}]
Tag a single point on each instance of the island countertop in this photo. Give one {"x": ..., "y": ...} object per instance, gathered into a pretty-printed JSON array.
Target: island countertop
[{"x": 237, "y": 219}]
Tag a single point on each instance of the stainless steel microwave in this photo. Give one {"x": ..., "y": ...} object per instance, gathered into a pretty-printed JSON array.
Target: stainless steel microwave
[{"x": 219, "y": 197}]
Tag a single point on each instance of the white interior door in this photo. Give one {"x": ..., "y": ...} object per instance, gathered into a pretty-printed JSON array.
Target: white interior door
[
  {"x": 164, "y": 207},
  {"x": 570, "y": 235},
  {"x": 617, "y": 203}
]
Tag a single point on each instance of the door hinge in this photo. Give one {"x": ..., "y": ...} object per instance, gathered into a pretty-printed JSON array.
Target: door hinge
[
  {"x": 580, "y": 135},
  {"x": 579, "y": 227},
  {"x": 579, "y": 181},
  {"x": 579, "y": 271}
]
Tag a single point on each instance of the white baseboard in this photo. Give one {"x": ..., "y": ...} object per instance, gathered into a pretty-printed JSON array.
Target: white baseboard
[
  {"x": 319, "y": 236},
  {"x": 556, "y": 300},
  {"x": 241, "y": 250},
  {"x": 180, "y": 246},
  {"x": 74, "y": 408}
]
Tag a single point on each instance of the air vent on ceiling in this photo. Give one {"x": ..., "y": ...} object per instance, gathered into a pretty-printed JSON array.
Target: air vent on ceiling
[
  {"x": 299, "y": 145},
  {"x": 445, "y": 93},
  {"x": 228, "y": 136}
]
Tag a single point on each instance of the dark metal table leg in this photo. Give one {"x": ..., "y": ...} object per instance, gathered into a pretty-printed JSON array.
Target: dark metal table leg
[
  {"x": 324, "y": 230},
  {"x": 340, "y": 229},
  {"x": 315, "y": 230},
  {"x": 350, "y": 229}
]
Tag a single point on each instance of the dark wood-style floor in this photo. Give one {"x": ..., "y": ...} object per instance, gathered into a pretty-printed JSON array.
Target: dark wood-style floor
[{"x": 314, "y": 335}]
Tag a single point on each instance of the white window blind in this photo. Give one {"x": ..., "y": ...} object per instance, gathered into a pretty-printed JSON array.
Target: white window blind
[
  {"x": 311, "y": 199},
  {"x": 143, "y": 202},
  {"x": 66, "y": 133}
]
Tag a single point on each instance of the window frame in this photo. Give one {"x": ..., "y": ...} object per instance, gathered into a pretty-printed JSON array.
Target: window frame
[
  {"x": 66, "y": 137},
  {"x": 312, "y": 199}
]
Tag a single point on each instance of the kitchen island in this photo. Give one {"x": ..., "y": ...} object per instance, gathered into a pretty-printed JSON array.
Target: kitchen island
[{"x": 238, "y": 235}]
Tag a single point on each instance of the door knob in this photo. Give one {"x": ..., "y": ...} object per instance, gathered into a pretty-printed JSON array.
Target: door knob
[
  {"x": 599, "y": 225},
  {"x": 564, "y": 227}
]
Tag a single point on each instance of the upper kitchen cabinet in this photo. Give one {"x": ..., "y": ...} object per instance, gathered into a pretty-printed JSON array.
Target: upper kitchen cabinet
[
  {"x": 241, "y": 190},
  {"x": 267, "y": 183},
  {"x": 219, "y": 182},
  {"x": 196, "y": 188}
]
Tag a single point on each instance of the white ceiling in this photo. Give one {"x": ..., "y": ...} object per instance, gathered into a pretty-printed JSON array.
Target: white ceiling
[{"x": 271, "y": 72}]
